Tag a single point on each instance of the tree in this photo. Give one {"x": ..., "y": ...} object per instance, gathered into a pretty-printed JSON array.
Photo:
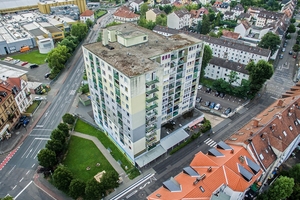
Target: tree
[
  {"x": 296, "y": 48},
  {"x": 77, "y": 188},
  {"x": 93, "y": 189},
  {"x": 291, "y": 28},
  {"x": 293, "y": 20},
  {"x": 143, "y": 9},
  {"x": 270, "y": 41},
  {"x": 259, "y": 73},
  {"x": 63, "y": 127},
  {"x": 198, "y": 28},
  {"x": 57, "y": 134},
  {"x": 167, "y": 9},
  {"x": 89, "y": 23},
  {"x": 57, "y": 57},
  {"x": 161, "y": 20},
  {"x": 205, "y": 28},
  {"x": 7, "y": 198},
  {"x": 281, "y": 188},
  {"x": 79, "y": 30},
  {"x": 55, "y": 145},
  {"x": 207, "y": 55},
  {"x": 109, "y": 180},
  {"x": 47, "y": 158},
  {"x": 68, "y": 118},
  {"x": 69, "y": 44},
  {"x": 232, "y": 77},
  {"x": 62, "y": 178},
  {"x": 84, "y": 89}
]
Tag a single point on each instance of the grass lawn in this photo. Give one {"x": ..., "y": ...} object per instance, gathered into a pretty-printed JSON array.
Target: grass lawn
[
  {"x": 32, "y": 107},
  {"x": 207, "y": 82},
  {"x": 31, "y": 57},
  {"x": 85, "y": 128},
  {"x": 100, "y": 13},
  {"x": 83, "y": 153}
]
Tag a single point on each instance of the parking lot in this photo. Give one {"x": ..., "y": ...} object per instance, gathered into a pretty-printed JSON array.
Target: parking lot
[{"x": 226, "y": 102}]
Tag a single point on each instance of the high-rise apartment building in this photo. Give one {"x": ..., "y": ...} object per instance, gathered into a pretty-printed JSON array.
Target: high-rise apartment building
[{"x": 139, "y": 80}]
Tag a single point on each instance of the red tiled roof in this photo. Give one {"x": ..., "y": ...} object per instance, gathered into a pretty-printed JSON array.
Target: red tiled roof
[
  {"x": 125, "y": 12},
  {"x": 87, "y": 13},
  {"x": 230, "y": 34}
]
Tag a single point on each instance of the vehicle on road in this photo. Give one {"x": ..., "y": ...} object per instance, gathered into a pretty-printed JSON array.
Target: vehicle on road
[
  {"x": 47, "y": 75},
  {"x": 212, "y": 105},
  {"x": 227, "y": 111},
  {"x": 198, "y": 99},
  {"x": 281, "y": 56},
  {"x": 217, "y": 107},
  {"x": 16, "y": 61},
  {"x": 290, "y": 52},
  {"x": 34, "y": 66},
  {"x": 294, "y": 56},
  {"x": 285, "y": 44},
  {"x": 38, "y": 98},
  {"x": 283, "y": 50},
  {"x": 217, "y": 93},
  {"x": 24, "y": 63},
  {"x": 199, "y": 87}
]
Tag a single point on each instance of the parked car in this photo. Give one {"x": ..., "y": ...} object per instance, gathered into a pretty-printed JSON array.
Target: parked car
[
  {"x": 217, "y": 107},
  {"x": 22, "y": 118},
  {"x": 212, "y": 105},
  {"x": 47, "y": 75},
  {"x": 208, "y": 90},
  {"x": 281, "y": 56},
  {"x": 295, "y": 56},
  {"x": 16, "y": 61},
  {"x": 227, "y": 111},
  {"x": 18, "y": 126},
  {"x": 285, "y": 44},
  {"x": 34, "y": 66},
  {"x": 24, "y": 63},
  {"x": 290, "y": 52},
  {"x": 217, "y": 93},
  {"x": 198, "y": 99},
  {"x": 26, "y": 121},
  {"x": 207, "y": 103},
  {"x": 38, "y": 98},
  {"x": 222, "y": 95},
  {"x": 199, "y": 87},
  {"x": 283, "y": 50}
]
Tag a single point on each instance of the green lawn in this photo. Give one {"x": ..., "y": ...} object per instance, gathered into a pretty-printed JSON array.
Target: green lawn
[
  {"x": 32, "y": 107},
  {"x": 83, "y": 153},
  {"x": 31, "y": 57},
  {"x": 83, "y": 127},
  {"x": 100, "y": 13}
]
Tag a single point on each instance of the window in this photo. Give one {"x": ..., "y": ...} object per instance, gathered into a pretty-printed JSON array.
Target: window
[
  {"x": 284, "y": 133},
  {"x": 127, "y": 106},
  {"x": 145, "y": 37},
  {"x": 291, "y": 128}
]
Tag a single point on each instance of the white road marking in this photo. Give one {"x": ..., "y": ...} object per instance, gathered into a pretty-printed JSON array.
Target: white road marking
[
  {"x": 273, "y": 97},
  {"x": 11, "y": 170},
  {"x": 39, "y": 126},
  {"x": 27, "y": 172},
  {"x": 23, "y": 190},
  {"x": 32, "y": 166},
  {"x": 29, "y": 153},
  {"x": 42, "y": 138},
  {"x": 36, "y": 154},
  {"x": 21, "y": 179},
  {"x": 14, "y": 187},
  {"x": 27, "y": 149}
]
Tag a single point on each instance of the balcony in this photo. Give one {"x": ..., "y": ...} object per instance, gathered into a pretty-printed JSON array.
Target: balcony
[
  {"x": 171, "y": 86},
  {"x": 148, "y": 83},
  {"x": 116, "y": 75},
  {"x": 151, "y": 128},
  {"x": 196, "y": 69},
  {"x": 180, "y": 62},
  {"x": 118, "y": 100},
  {"x": 149, "y": 115},
  {"x": 120, "y": 122},
  {"x": 148, "y": 108},
  {"x": 152, "y": 91},
  {"x": 151, "y": 134},
  {"x": 117, "y": 92},
  {"x": 195, "y": 75},
  {"x": 173, "y": 57},
  {"x": 172, "y": 65},
  {"x": 177, "y": 95},
  {"x": 197, "y": 63},
  {"x": 151, "y": 99},
  {"x": 99, "y": 71},
  {"x": 179, "y": 76},
  {"x": 100, "y": 85},
  {"x": 178, "y": 83},
  {"x": 179, "y": 70},
  {"x": 178, "y": 90},
  {"x": 180, "y": 55},
  {"x": 198, "y": 55},
  {"x": 120, "y": 115},
  {"x": 116, "y": 83}
]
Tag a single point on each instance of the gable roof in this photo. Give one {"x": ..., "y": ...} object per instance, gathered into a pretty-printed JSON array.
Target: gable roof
[
  {"x": 181, "y": 13},
  {"x": 125, "y": 12},
  {"x": 12, "y": 84},
  {"x": 238, "y": 7},
  {"x": 138, "y": 1},
  {"x": 87, "y": 13},
  {"x": 230, "y": 34},
  {"x": 244, "y": 15},
  {"x": 199, "y": 12},
  {"x": 157, "y": 11},
  {"x": 232, "y": 170},
  {"x": 229, "y": 13},
  {"x": 246, "y": 24}
]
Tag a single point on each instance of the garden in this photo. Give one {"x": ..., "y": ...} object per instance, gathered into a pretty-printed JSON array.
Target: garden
[{"x": 33, "y": 56}]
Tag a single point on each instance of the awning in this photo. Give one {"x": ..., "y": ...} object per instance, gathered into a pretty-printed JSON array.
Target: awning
[
  {"x": 149, "y": 156},
  {"x": 173, "y": 139},
  {"x": 196, "y": 121}
]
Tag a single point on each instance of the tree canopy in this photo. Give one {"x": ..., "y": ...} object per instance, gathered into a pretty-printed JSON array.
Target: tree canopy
[
  {"x": 57, "y": 57},
  {"x": 89, "y": 23},
  {"x": 296, "y": 47},
  {"x": 207, "y": 55},
  {"x": 291, "y": 28},
  {"x": 143, "y": 9},
  {"x": 62, "y": 178},
  {"x": 205, "y": 26},
  {"x": 57, "y": 134},
  {"x": 161, "y": 20},
  {"x": 63, "y": 127},
  {"x": 77, "y": 188},
  {"x": 47, "y": 158},
  {"x": 68, "y": 118},
  {"x": 55, "y": 145},
  {"x": 93, "y": 189},
  {"x": 281, "y": 188},
  {"x": 270, "y": 41},
  {"x": 79, "y": 30},
  {"x": 109, "y": 180}
]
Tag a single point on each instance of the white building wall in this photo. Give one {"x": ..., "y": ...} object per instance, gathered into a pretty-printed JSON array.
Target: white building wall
[{"x": 173, "y": 21}]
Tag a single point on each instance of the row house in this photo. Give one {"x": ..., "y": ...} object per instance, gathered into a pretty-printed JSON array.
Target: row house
[
  {"x": 197, "y": 15},
  {"x": 254, "y": 11},
  {"x": 136, "y": 5},
  {"x": 152, "y": 14},
  {"x": 237, "y": 10},
  {"x": 267, "y": 17},
  {"x": 273, "y": 134},
  {"x": 226, "y": 49},
  {"x": 124, "y": 14},
  {"x": 244, "y": 16},
  {"x": 221, "y": 6},
  {"x": 224, "y": 172},
  {"x": 179, "y": 19},
  {"x": 220, "y": 68},
  {"x": 228, "y": 15}
]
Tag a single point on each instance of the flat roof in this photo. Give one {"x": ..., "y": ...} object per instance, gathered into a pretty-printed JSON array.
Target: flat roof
[
  {"x": 135, "y": 60},
  {"x": 7, "y": 71},
  {"x": 5, "y": 4},
  {"x": 149, "y": 156}
]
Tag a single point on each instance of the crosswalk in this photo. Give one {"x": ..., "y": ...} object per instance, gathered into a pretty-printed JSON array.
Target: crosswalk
[{"x": 210, "y": 142}]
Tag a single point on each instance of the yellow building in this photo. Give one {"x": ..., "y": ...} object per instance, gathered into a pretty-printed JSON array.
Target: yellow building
[
  {"x": 44, "y": 7},
  {"x": 153, "y": 13}
]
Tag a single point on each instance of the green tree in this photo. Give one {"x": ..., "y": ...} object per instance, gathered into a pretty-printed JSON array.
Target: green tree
[
  {"x": 217, "y": 20},
  {"x": 233, "y": 77},
  {"x": 68, "y": 118},
  {"x": 79, "y": 30},
  {"x": 167, "y": 9},
  {"x": 57, "y": 134},
  {"x": 99, "y": 38},
  {"x": 62, "y": 178},
  {"x": 109, "y": 180},
  {"x": 205, "y": 28},
  {"x": 69, "y": 44},
  {"x": 161, "y": 20},
  {"x": 281, "y": 188},
  {"x": 63, "y": 127},
  {"x": 270, "y": 41},
  {"x": 57, "y": 57},
  {"x": 47, "y": 158},
  {"x": 55, "y": 145},
  {"x": 143, "y": 9},
  {"x": 259, "y": 73},
  {"x": 89, "y": 23},
  {"x": 7, "y": 198},
  {"x": 77, "y": 188},
  {"x": 198, "y": 27},
  {"x": 84, "y": 89},
  {"x": 296, "y": 47},
  {"x": 291, "y": 28},
  {"x": 207, "y": 55},
  {"x": 293, "y": 20},
  {"x": 93, "y": 189}
]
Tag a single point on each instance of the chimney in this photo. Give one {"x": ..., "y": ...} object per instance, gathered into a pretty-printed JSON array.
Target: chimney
[
  {"x": 232, "y": 151},
  {"x": 255, "y": 123},
  {"x": 251, "y": 133},
  {"x": 209, "y": 169},
  {"x": 280, "y": 103}
]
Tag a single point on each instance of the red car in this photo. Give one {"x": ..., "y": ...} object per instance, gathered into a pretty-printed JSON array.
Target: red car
[
  {"x": 24, "y": 63},
  {"x": 294, "y": 56}
]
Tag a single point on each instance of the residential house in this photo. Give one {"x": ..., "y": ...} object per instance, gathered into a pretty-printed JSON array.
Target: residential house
[
  {"x": 228, "y": 15},
  {"x": 230, "y": 35},
  {"x": 222, "y": 6},
  {"x": 128, "y": 76},
  {"x": 267, "y": 17},
  {"x": 135, "y": 5},
  {"x": 178, "y": 4},
  {"x": 9, "y": 112},
  {"x": 237, "y": 10},
  {"x": 152, "y": 14},
  {"x": 254, "y": 11},
  {"x": 221, "y": 68},
  {"x": 179, "y": 19},
  {"x": 273, "y": 134},
  {"x": 223, "y": 48},
  {"x": 124, "y": 14},
  {"x": 203, "y": 2},
  {"x": 243, "y": 28},
  {"x": 20, "y": 91},
  {"x": 196, "y": 15},
  {"x": 290, "y": 4},
  {"x": 88, "y": 14},
  {"x": 225, "y": 172},
  {"x": 244, "y": 16}
]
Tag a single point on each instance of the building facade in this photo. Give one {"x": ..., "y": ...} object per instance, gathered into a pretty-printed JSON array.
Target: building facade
[
  {"x": 45, "y": 6},
  {"x": 88, "y": 14},
  {"x": 139, "y": 80},
  {"x": 179, "y": 19}
]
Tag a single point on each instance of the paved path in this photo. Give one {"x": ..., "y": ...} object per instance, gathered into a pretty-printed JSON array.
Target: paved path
[{"x": 105, "y": 152}]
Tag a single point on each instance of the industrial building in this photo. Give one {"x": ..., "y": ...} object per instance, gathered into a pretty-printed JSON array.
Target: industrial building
[
  {"x": 140, "y": 80},
  {"x": 45, "y": 6}
]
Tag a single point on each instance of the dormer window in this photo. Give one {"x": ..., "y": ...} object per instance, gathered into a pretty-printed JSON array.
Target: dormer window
[
  {"x": 284, "y": 133},
  {"x": 291, "y": 128}
]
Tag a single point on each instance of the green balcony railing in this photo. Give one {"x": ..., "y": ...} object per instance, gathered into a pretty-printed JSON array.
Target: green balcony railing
[
  {"x": 177, "y": 90},
  {"x": 99, "y": 70},
  {"x": 173, "y": 57},
  {"x": 177, "y": 95},
  {"x": 148, "y": 108},
  {"x": 151, "y": 128},
  {"x": 180, "y": 55},
  {"x": 195, "y": 75},
  {"x": 179, "y": 76},
  {"x": 196, "y": 69},
  {"x": 152, "y": 91},
  {"x": 100, "y": 85},
  {"x": 148, "y": 83},
  {"x": 179, "y": 70},
  {"x": 171, "y": 86},
  {"x": 119, "y": 115},
  {"x": 117, "y": 92},
  {"x": 180, "y": 62},
  {"x": 197, "y": 63},
  {"x": 120, "y": 122},
  {"x": 151, "y": 99},
  {"x": 116, "y": 76},
  {"x": 118, "y": 100},
  {"x": 151, "y": 114}
]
